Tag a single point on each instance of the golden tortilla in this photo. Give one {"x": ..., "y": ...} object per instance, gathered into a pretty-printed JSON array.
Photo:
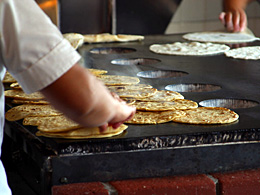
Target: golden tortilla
[
  {"x": 51, "y": 124},
  {"x": 163, "y": 95},
  {"x": 143, "y": 93},
  {"x": 118, "y": 80},
  {"x": 8, "y": 78},
  {"x": 97, "y": 71},
  {"x": 20, "y": 94},
  {"x": 85, "y": 133},
  {"x": 179, "y": 104},
  {"x": 141, "y": 117},
  {"x": 20, "y": 112},
  {"x": 16, "y": 86},
  {"x": 117, "y": 88},
  {"x": 40, "y": 102},
  {"x": 207, "y": 115}
]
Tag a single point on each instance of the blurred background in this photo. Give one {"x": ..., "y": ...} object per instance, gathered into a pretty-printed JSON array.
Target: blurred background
[{"x": 141, "y": 16}]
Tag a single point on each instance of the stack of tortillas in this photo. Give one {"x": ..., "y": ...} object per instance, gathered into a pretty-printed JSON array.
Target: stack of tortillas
[
  {"x": 77, "y": 40},
  {"x": 153, "y": 107},
  {"x": 107, "y": 37},
  {"x": 36, "y": 111},
  {"x": 160, "y": 106}
]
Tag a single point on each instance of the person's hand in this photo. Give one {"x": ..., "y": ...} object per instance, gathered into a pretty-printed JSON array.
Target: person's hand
[
  {"x": 234, "y": 17},
  {"x": 234, "y": 21},
  {"x": 86, "y": 100},
  {"x": 118, "y": 120}
]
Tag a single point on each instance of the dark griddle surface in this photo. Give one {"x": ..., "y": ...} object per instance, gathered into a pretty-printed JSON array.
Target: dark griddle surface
[
  {"x": 146, "y": 150},
  {"x": 239, "y": 79}
]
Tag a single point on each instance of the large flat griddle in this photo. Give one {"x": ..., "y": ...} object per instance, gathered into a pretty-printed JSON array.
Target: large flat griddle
[
  {"x": 163, "y": 149},
  {"x": 238, "y": 80}
]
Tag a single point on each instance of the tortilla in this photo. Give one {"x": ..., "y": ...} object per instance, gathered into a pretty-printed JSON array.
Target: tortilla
[
  {"x": 136, "y": 93},
  {"x": 118, "y": 80},
  {"x": 106, "y": 37},
  {"x": 129, "y": 87},
  {"x": 20, "y": 112},
  {"x": 180, "y": 104},
  {"x": 8, "y": 78},
  {"x": 39, "y": 102},
  {"x": 97, "y": 71},
  {"x": 16, "y": 86},
  {"x": 163, "y": 95},
  {"x": 189, "y": 49},
  {"x": 207, "y": 115},
  {"x": 141, "y": 117},
  {"x": 75, "y": 39},
  {"x": 220, "y": 37},
  {"x": 21, "y": 95},
  {"x": 51, "y": 124},
  {"x": 84, "y": 133},
  {"x": 245, "y": 53}
]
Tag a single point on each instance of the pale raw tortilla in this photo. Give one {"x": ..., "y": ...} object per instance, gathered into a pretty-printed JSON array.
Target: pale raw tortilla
[
  {"x": 75, "y": 39},
  {"x": 220, "y": 37},
  {"x": 207, "y": 115},
  {"x": 246, "y": 53},
  {"x": 189, "y": 49},
  {"x": 106, "y": 37}
]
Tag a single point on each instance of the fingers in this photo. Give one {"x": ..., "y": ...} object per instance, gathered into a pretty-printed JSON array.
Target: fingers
[
  {"x": 119, "y": 120},
  {"x": 116, "y": 125},
  {"x": 103, "y": 128},
  {"x": 229, "y": 21},
  {"x": 222, "y": 17},
  {"x": 235, "y": 21},
  {"x": 123, "y": 112},
  {"x": 243, "y": 21}
]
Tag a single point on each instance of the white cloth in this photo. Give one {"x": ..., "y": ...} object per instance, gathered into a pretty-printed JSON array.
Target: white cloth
[{"x": 33, "y": 50}]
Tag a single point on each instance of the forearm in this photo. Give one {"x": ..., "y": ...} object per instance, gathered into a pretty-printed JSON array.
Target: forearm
[
  {"x": 234, "y": 17},
  {"x": 83, "y": 98},
  {"x": 229, "y": 5}
]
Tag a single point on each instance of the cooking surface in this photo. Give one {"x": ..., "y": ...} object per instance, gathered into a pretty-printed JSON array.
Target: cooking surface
[
  {"x": 164, "y": 149},
  {"x": 238, "y": 79}
]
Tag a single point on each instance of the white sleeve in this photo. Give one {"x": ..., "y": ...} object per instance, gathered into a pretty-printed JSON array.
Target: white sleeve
[{"x": 33, "y": 49}]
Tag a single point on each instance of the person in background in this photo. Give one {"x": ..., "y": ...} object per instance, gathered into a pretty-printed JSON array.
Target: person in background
[
  {"x": 234, "y": 16},
  {"x": 34, "y": 51}
]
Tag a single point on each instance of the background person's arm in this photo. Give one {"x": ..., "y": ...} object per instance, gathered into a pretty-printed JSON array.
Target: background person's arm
[{"x": 234, "y": 17}]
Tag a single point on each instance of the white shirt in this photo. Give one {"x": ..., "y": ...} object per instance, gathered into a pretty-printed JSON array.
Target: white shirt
[{"x": 33, "y": 50}]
